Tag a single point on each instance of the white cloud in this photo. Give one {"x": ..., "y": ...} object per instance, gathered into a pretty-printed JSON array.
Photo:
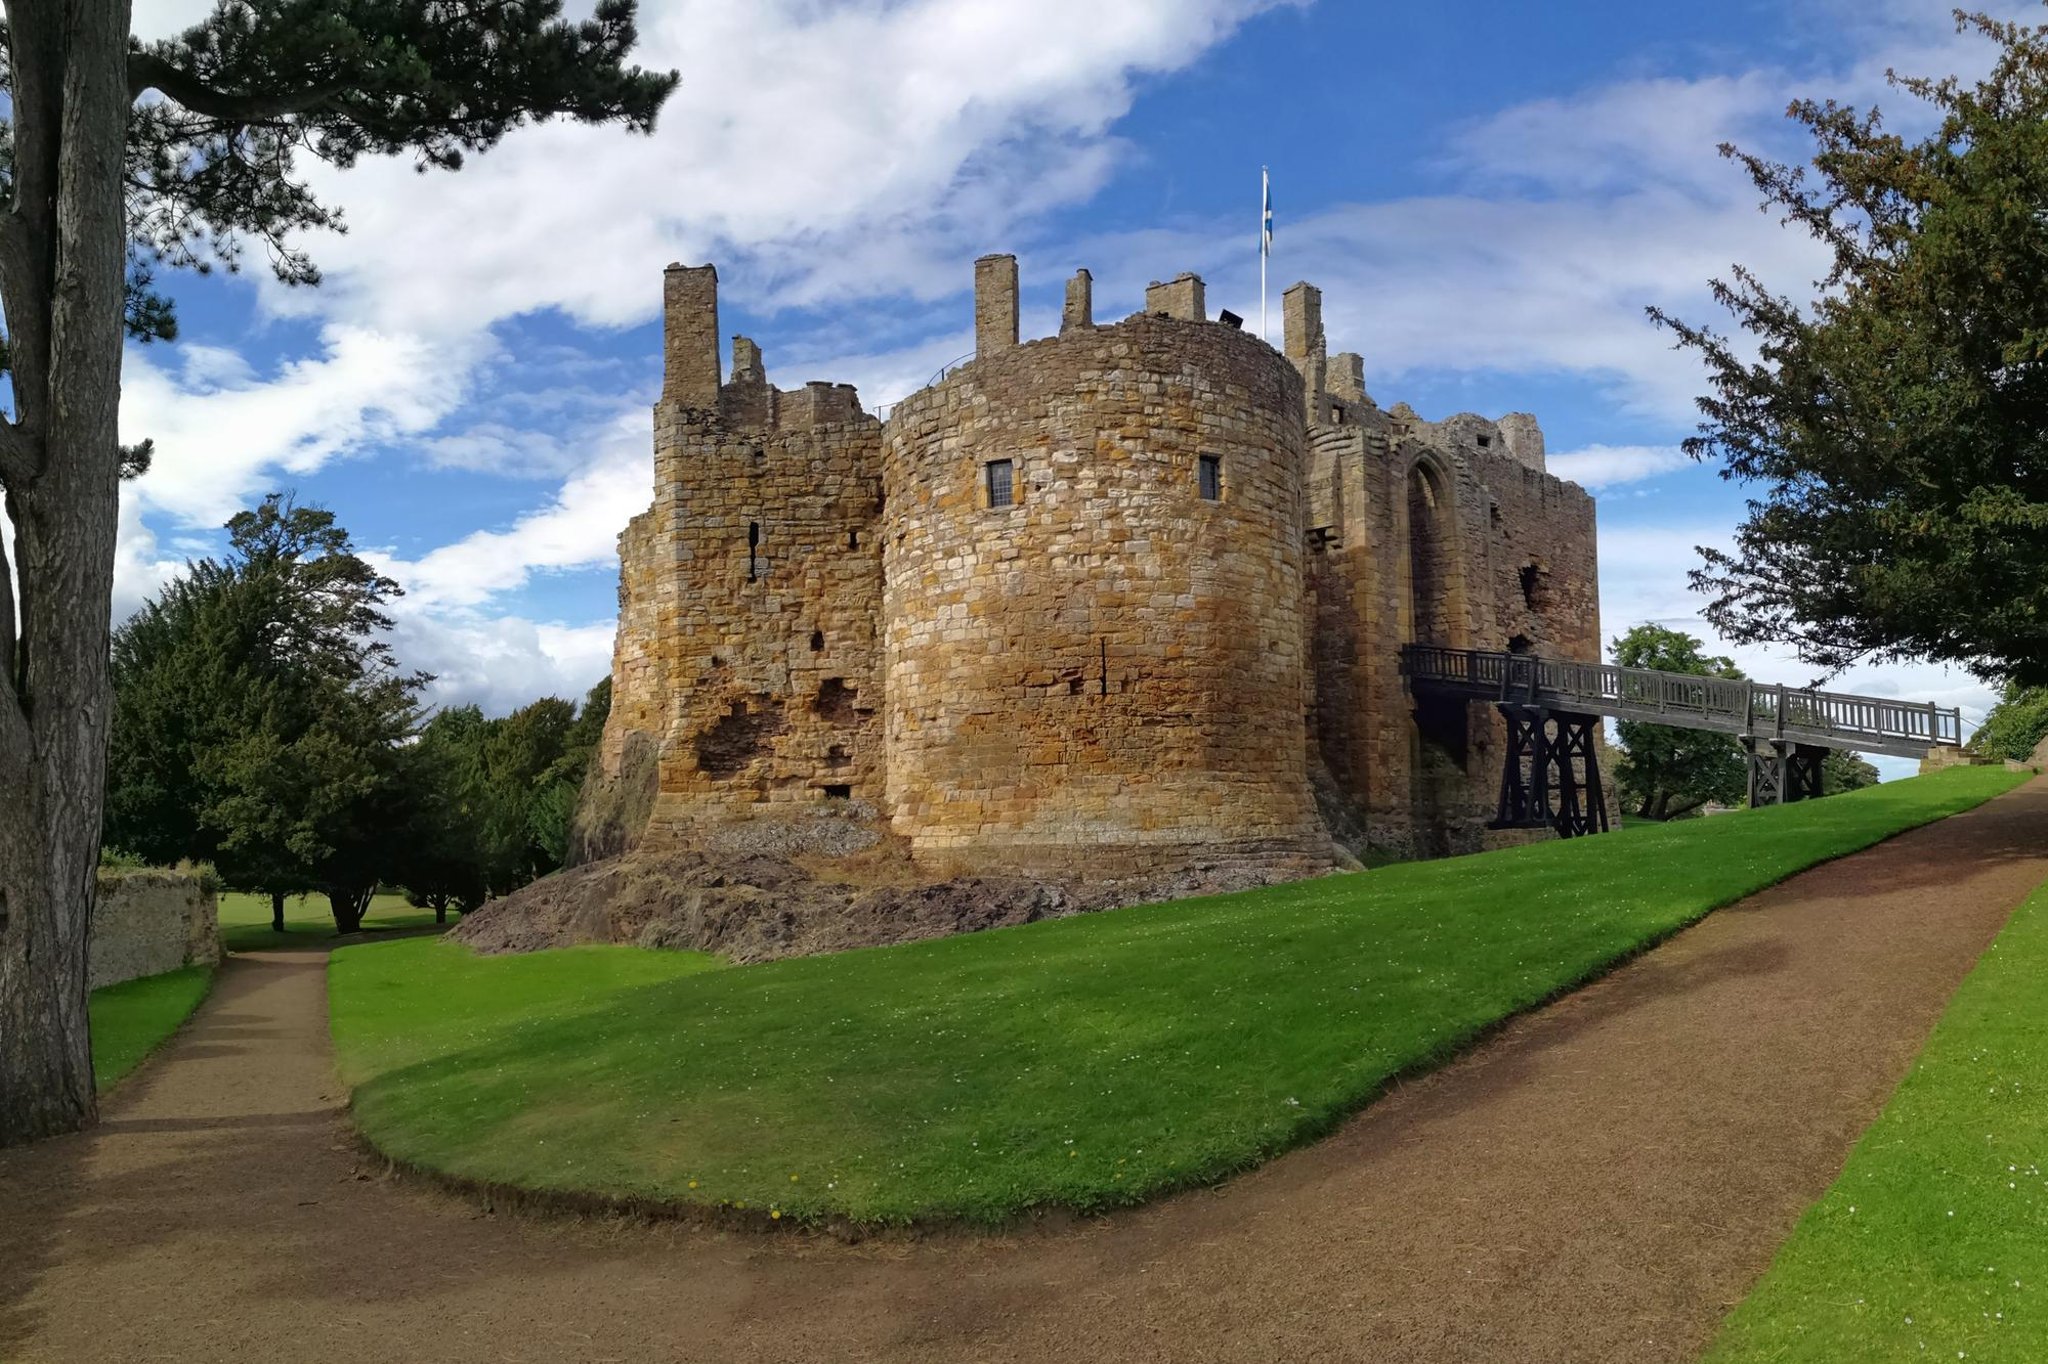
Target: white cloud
[
  {"x": 1605, "y": 466},
  {"x": 501, "y": 662},
  {"x": 578, "y": 529},
  {"x": 820, "y": 152},
  {"x": 223, "y": 432}
]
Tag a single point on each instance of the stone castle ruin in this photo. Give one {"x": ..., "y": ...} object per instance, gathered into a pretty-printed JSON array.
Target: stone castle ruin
[{"x": 1125, "y": 598}]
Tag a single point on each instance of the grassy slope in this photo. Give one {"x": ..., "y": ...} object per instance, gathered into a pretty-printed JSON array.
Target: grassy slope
[
  {"x": 308, "y": 922},
  {"x": 1083, "y": 1062},
  {"x": 130, "y": 1020},
  {"x": 1933, "y": 1244}
]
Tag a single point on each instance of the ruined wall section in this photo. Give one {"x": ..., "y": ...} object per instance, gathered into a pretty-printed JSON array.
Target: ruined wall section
[
  {"x": 1515, "y": 569},
  {"x": 771, "y": 653},
  {"x": 1445, "y": 532},
  {"x": 1352, "y": 608},
  {"x": 1111, "y": 670},
  {"x": 618, "y": 791},
  {"x": 745, "y": 672}
]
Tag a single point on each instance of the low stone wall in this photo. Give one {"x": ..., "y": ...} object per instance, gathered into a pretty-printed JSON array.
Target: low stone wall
[{"x": 147, "y": 922}]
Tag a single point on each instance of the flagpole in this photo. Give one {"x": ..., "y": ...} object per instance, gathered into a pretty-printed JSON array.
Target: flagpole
[{"x": 1265, "y": 190}]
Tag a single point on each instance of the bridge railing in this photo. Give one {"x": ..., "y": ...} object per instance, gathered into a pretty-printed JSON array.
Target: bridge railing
[{"x": 1685, "y": 699}]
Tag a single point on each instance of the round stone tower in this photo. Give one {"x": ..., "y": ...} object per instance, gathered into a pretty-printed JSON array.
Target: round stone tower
[{"x": 1093, "y": 625}]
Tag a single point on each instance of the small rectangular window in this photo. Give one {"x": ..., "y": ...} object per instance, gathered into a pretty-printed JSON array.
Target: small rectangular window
[
  {"x": 1211, "y": 477},
  {"x": 1002, "y": 486}
]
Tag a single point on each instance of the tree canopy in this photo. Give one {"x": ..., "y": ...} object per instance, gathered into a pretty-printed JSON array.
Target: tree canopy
[
  {"x": 2015, "y": 726},
  {"x": 1665, "y": 772},
  {"x": 490, "y": 799},
  {"x": 261, "y": 724},
  {"x": 1896, "y": 429},
  {"x": 258, "y": 714}
]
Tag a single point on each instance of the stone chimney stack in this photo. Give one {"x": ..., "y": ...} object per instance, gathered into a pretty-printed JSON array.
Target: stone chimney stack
[
  {"x": 1524, "y": 439},
  {"x": 1301, "y": 313},
  {"x": 689, "y": 335},
  {"x": 995, "y": 304},
  {"x": 1080, "y": 309},
  {"x": 1183, "y": 297}
]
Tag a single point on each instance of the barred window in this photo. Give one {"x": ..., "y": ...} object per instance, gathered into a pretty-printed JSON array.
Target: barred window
[
  {"x": 1002, "y": 485},
  {"x": 1210, "y": 476}
]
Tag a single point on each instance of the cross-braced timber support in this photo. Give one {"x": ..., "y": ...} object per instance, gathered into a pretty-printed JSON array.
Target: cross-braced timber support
[
  {"x": 1550, "y": 778},
  {"x": 1781, "y": 771}
]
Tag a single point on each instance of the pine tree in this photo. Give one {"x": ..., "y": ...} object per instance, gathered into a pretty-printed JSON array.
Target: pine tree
[{"x": 118, "y": 157}]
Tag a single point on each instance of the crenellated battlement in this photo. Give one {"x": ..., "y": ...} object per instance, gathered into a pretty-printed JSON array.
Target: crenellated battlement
[
  {"x": 691, "y": 379},
  {"x": 1133, "y": 593}
]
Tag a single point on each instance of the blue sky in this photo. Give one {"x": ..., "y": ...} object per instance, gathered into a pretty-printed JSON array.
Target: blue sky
[{"x": 1489, "y": 194}]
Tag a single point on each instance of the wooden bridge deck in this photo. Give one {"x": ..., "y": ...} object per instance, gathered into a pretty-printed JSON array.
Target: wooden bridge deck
[{"x": 1868, "y": 724}]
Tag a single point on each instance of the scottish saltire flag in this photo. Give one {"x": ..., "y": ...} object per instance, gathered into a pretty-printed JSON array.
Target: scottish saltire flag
[{"x": 1266, "y": 219}]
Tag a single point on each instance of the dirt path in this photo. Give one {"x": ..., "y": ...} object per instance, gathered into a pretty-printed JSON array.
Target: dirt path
[{"x": 1598, "y": 1183}]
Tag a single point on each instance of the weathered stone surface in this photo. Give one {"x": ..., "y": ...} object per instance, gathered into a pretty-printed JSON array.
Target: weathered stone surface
[
  {"x": 145, "y": 923},
  {"x": 1113, "y": 672},
  {"x": 995, "y": 304},
  {"x": 1111, "y": 661},
  {"x": 1953, "y": 755}
]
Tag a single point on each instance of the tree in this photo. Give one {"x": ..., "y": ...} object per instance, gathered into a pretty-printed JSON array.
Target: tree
[
  {"x": 2015, "y": 726},
  {"x": 441, "y": 859},
  {"x": 119, "y": 156},
  {"x": 1842, "y": 771},
  {"x": 490, "y": 800},
  {"x": 1665, "y": 772},
  {"x": 561, "y": 787},
  {"x": 258, "y": 713},
  {"x": 1897, "y": 428}
]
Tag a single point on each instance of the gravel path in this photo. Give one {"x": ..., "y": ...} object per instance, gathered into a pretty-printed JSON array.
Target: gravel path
[{"x": 1599, "y": 1182}]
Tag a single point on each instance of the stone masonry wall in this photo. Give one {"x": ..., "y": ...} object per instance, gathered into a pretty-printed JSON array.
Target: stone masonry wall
[
  {"x": 1113, "y": 663},
  {"x": 744, "y": 673},
  {"x": 823, "y": 613},
  {"x": 1447, "y": 533},
  {"x": 145, "y": 923}
]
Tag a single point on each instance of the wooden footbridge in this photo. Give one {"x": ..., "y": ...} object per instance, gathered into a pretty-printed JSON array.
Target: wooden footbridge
[{"x": 1551, "y": 777}]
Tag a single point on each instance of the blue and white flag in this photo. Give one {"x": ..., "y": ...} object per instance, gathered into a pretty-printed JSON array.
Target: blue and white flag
[{"x": 1266, "y": 218}]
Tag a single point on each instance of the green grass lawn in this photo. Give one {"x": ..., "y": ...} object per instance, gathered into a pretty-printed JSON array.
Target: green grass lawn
[
  {"x": 308, "y": 922},
  {"x": 130, "y": 1020},
  {"x": 1933, "y": 1244},
  {"x": 1085, "y": 1062}
]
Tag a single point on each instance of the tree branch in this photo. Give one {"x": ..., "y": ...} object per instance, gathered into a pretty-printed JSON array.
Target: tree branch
[{"x": 147, "y": 71}]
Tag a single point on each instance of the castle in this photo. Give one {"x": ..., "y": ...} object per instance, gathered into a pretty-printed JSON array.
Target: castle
[{"x": 1120, "y": 598}]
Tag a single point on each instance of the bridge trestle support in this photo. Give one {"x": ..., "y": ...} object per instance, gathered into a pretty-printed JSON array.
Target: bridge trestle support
[
  {"x": 1550, "y": 777},
  {"x": 1782, "y": 771}
]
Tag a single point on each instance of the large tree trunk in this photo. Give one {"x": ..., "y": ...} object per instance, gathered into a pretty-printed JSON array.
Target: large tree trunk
[
  {"x": 277, "y": 911},
  {"x": 62, "y": 257},
  {"x": 350, "y": 904}
]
